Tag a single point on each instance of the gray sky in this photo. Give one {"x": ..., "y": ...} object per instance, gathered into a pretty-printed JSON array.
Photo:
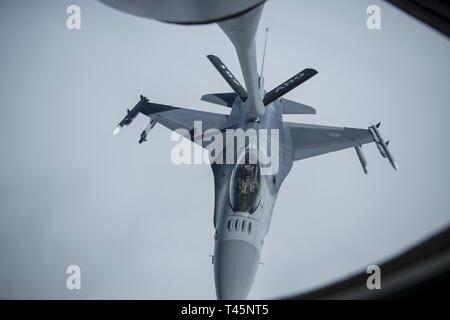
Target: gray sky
[{"x": 141, "y": 227}]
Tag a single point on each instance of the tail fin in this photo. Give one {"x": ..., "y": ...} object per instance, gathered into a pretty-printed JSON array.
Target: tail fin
[
  {"x": 287, "y": 86},
  {"x": 228, "y": 76}
]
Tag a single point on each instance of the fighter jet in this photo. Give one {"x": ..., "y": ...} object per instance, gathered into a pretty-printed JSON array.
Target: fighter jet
[{"x": 244, "y": 194}]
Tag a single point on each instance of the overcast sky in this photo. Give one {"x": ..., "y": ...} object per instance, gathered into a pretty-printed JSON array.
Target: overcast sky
[{"x": 140, "y": 226}]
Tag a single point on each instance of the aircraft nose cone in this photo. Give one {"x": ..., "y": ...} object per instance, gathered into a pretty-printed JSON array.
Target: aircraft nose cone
[{"x": 235, "y": 264}]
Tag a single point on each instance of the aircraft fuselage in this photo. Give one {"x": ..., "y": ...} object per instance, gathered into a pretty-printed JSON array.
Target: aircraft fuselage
[{"x": 245, "y": 198}]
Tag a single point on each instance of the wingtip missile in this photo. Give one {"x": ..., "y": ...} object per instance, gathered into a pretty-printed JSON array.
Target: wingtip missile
[
  {"x": 382, "y": 145},
  {"x": 131, "y": 114},
  {"x": 116, "y": 130}
]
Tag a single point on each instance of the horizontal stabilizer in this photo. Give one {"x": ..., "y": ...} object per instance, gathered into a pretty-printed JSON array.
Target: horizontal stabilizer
[
  {"x": 292, "y": 107},
  {"x": 223, "y": 99},
  {"x": 228, "y": 76},
  {"x": 288, "y": 85}
]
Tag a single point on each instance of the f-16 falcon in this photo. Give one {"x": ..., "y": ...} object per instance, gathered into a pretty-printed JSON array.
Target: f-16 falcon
[{"x": 244, "y": 193}]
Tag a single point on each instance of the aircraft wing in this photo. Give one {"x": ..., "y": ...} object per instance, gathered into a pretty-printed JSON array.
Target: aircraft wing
[
  {"x": 175, "y": 118},
  {"x": 312, "y": 140}
]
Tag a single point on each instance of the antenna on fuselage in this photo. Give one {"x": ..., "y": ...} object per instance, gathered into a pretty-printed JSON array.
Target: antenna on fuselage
[{"x": 261, "y": 77}]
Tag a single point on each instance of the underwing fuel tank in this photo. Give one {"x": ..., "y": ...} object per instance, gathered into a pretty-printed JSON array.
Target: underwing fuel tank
[
  {"x": 361, "y": 158},
  {"x": 146, "y": 131}
]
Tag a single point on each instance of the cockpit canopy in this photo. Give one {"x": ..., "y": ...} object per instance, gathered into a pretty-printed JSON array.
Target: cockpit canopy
[{"x": 245, "y": 184}]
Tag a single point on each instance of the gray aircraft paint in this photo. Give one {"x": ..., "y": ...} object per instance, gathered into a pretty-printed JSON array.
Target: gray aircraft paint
[
  {"x": 73, "y": 194},
  {"x": 237, "y": 250}
]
